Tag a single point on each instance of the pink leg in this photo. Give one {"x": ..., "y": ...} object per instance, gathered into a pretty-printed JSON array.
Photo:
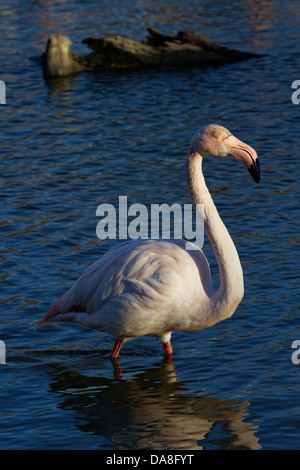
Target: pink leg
[
  {"x": 168, "y": 351},
  {"x": 116, "y": 348}
]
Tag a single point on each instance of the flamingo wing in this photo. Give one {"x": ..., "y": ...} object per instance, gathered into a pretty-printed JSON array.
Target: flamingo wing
[{"x": 139, "y": 287}]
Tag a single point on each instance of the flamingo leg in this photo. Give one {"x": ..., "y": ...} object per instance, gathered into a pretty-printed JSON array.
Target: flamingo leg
[
  {"x": 167, "y": 348},
  {"x": 116, "y": 348}
]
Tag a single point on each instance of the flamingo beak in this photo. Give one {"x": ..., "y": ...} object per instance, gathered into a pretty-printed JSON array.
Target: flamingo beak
[
  {"x": 245, "y": 154},
  {"x": 254, "y": 170}
]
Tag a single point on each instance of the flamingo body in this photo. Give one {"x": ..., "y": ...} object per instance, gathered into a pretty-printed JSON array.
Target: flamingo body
[{"x": 129, "y": 292}]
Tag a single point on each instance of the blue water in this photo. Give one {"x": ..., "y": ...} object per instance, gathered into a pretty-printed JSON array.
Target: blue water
[{"x": 69, "y": 145}]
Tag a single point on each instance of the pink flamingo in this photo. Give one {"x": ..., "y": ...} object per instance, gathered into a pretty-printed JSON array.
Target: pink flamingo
[{"x": 154, "y": 287}]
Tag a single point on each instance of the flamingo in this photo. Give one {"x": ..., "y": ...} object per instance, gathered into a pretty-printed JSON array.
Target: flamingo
[{"x": 155, "y": 287}]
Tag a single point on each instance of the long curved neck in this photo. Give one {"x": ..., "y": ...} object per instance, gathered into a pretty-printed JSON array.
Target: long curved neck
[{"x": 231, "y": 289}]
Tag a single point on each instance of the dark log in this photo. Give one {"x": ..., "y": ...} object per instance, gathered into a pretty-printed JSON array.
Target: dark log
[{"x": 186, "y": 49}]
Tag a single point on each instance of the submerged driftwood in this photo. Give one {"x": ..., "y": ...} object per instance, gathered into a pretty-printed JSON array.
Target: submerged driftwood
[{"x": 118, "y": 52}]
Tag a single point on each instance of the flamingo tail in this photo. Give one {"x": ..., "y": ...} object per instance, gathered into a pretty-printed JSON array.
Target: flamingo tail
[{"x": 52, "y": 312}]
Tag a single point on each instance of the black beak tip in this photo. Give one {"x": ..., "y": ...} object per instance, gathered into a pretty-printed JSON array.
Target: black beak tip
[{"x": 254, "y": 171}]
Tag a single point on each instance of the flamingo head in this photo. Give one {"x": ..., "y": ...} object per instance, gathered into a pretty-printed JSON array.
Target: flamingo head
[{"x": 217, "y": 140}]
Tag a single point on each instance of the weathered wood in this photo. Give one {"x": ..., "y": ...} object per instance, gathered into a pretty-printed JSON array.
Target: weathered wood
[{"x": 117, "y": 52}]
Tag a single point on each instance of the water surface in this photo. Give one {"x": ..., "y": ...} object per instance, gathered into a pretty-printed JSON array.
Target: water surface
[{"x": 69, "y": 145}]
